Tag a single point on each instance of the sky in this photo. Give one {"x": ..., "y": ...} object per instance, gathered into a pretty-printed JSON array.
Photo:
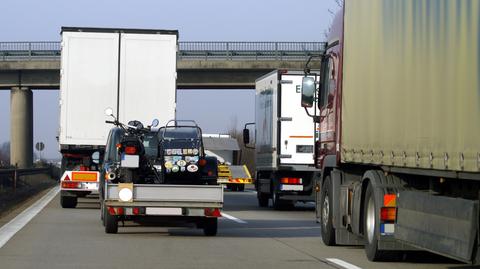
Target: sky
[{"x": 206, "y": 20}]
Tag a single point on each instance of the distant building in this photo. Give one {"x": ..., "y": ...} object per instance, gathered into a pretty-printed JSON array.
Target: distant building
[{"x": 222, "y": 146}]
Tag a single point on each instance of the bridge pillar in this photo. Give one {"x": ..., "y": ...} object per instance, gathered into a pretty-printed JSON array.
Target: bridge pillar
[{"x": 21, "y": 127}]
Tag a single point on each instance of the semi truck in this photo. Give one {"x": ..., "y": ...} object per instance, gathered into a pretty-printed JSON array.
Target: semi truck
[
  {"x": 398, "y": 107},
  {"x": 132, "y": 71},
  {"x": 284, "y": 166}
]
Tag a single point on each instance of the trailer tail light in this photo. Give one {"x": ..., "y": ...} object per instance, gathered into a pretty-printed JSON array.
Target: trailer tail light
[
  {"x": 388, "y": 213},
  {"x": 71, "y": 185},
  {"x": 213, "y": 212},
  {"x": 136, "y": 211},
  {"x": 120, "y": 211},
  {"x": 130, "y": 150},
  {"x": 111, "y": 211},
  {"x": 84, "y": 168},
  {"x": 291, "y": 180}
]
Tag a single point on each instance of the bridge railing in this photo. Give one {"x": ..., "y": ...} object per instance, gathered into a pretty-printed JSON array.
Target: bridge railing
[{"x": 188, "y": 50}]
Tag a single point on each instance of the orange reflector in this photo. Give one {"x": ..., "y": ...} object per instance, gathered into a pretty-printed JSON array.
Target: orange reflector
[
  {"x": 390, "y": 200},
  {"x": 70, "y": 185},
  {"x": 213, "y": 212},
  {"x": 84, "y": 176},
  {"x": 388, "y": 213}
]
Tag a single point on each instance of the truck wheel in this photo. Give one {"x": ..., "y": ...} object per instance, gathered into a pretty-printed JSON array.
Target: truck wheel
[
  {"x": 241, "y": 187},
  {"x": 370, "y": 226},
  {"x": 279, "y": 204},
  {"x": 326, "y": 213},
  {"x": 111, "y": 222},
  {"x": 210, "y": 226},
  {"x": 262, "y": 199},
  {"x": 68, "y": 201}
]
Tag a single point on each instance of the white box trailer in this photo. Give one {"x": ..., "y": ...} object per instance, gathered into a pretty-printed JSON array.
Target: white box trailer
[
  {"x": 284, "y": 141},
  {"x": 132, "y": 71}
]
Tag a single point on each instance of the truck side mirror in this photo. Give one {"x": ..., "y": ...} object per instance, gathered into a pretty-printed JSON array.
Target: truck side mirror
[
  {"x": 246, "y": 136},
  {"x": 308, "y": 91}
]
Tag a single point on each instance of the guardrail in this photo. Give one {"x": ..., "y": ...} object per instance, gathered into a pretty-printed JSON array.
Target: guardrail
[
  {"x": 14, "y": 173},
  {"x": 188, "y": 50}
]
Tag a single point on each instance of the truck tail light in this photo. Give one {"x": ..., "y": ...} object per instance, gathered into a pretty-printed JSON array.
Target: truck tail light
[
  {"x": 291, "y": 180},
  {"x": 111, "y": 211},
  {"x": 136, "y": 211},
  {"x": 84, "y": 168},
  {"x": 71, "y": 185},
  {"x": 388, "y": 213},
  {"x": 213, "y": 212},
  {"x": 130, "y": 150},
  {"x": 120, "y": 211}
]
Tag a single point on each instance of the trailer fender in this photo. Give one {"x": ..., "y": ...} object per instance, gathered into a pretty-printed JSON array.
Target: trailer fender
[{"x": 382, "y": 184}]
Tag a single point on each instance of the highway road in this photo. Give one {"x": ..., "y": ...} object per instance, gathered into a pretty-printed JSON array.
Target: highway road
[{"x": 248, "y": 237}]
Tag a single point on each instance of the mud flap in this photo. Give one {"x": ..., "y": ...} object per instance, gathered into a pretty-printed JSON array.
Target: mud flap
[{"x": 443, "y": 225}]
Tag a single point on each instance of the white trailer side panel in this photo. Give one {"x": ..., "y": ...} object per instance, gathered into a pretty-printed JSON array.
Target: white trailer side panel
[
  {"x": 88, "y": 85},
  {"x": 148, "y": 75},
  {"x": 266, "y": 121},
  {"x": 296, "y": 136}
]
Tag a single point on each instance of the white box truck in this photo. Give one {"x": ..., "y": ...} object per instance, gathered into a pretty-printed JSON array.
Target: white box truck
[
  {"x": 284, "y": 142},
  {"x": 129, "y": 70}
]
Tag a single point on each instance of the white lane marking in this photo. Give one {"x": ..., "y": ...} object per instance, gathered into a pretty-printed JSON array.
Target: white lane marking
[
  {"x": 342, "y": 263},
  {"x": 237, "y": 220},
  {"x": 8, "y": 230}
]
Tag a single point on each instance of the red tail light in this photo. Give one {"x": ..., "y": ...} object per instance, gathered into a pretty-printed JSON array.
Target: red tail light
[
  {"x": 136, "y": 211},
  {"x": 130, "y": 150},
  {"x": 388, "y": 213},
  {"x": 84, "y": 168},
  {"x": 291, "y": 180},
  {"x": 202, "y": 162},
  {"x": 120, "y": 211},
  {"x": 70, "y": 185},
  {"x": 213, "y": 212}
]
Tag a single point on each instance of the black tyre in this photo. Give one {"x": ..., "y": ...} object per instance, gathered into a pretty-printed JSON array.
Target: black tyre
[
  {"x": 371, "y": 226},
  {"x": 326, "y": 213},
  {"x": 210, "y": 226},
  {"x": 68, "y": 201},
  {"x": 262, "y": 199},
  {"x": 111, "y": 222},
  {"x": 280, "y": 204}
]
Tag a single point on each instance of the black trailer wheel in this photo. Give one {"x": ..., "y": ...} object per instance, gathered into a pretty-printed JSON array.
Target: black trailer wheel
[
  {"x": 280, "y": 204},
  {"x": 111, "y": 222},
  {"x": 210, "y": 226},
  {"x": 371, "y": 226},
  {"x": 68, "y": 201},
  {"x": 262, "y": 199},
  {"x": 326, "y": 213}
]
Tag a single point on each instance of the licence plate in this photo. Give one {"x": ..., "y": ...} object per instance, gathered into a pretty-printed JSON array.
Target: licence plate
[
  {"x": 163, "y": 211},
  {"x": 291, "y": 187},
  {"x": 130, "y": 161}
]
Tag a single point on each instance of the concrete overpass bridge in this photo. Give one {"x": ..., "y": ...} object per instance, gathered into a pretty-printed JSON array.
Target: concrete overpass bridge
[{"x": 201, "y": 65}]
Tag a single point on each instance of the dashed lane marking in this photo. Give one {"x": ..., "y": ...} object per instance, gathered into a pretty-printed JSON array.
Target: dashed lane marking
[
  {"x": 237, "y": 220},
  {"x": 8, "y": 230},
  {"x": 342, "y": 263}
]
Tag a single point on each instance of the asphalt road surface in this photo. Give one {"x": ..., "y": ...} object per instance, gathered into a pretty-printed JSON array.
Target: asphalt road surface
[{"x": 248, "y": 237}]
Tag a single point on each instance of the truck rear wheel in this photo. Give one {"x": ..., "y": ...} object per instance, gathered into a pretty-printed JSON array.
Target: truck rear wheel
[
  {"x": 326, "y": 213},
  {"x": 210, "y": 226},
  {"x": 68, "y": 201},
  {"x": 370, "y": 226},
  {"x": 278, "y": 203},
  {"x": 111, "y": 222}
]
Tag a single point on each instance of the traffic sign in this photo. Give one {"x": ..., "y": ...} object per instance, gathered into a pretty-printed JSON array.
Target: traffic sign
[{"x": 39, "y": 146}]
